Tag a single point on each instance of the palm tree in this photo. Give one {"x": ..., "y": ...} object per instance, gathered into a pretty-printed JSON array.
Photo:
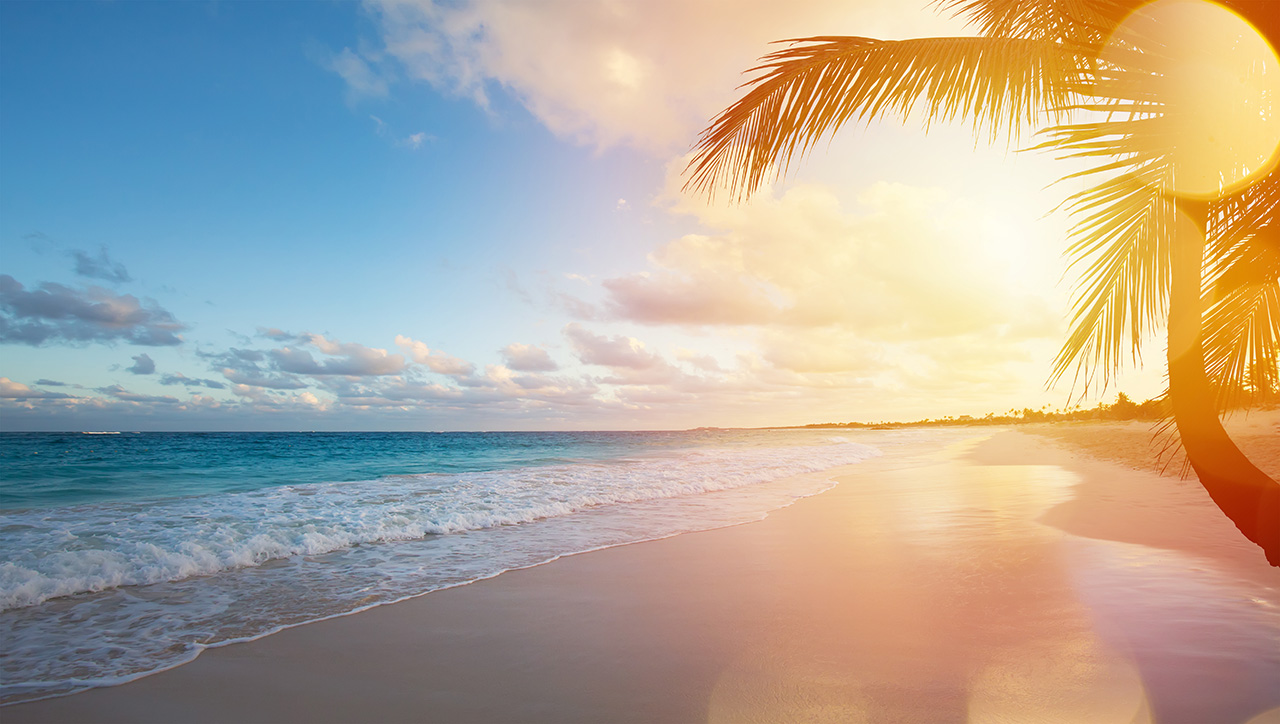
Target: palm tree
[{"x": 1206, "y": 263}]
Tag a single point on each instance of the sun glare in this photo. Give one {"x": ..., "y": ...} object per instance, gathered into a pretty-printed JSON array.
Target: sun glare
[{"x": 1217, "y": 81}]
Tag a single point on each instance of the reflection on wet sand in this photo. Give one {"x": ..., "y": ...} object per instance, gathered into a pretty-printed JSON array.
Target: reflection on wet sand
[{"x": 965, "y": 608}]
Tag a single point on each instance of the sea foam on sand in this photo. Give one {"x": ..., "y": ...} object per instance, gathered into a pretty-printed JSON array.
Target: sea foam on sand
[{"x": 927, "y": 586}]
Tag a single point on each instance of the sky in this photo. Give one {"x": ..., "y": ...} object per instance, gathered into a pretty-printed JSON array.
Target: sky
[{"x": 417, "y": 215}]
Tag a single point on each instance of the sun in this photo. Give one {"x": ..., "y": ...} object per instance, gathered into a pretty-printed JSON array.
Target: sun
[{"x": 1209, "y": 83}]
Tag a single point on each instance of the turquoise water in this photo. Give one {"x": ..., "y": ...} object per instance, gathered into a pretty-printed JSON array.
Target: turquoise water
[
  {"x": 122, "y": 554},
  {"x": 50, "y": 469}
]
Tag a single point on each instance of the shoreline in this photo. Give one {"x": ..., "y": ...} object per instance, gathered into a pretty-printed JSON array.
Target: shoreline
[
  {"x": 826, "y": 609},
  {"x": 79, "y": 641}
]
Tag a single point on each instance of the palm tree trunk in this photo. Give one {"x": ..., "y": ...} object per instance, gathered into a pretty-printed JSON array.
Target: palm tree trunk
[{"x": 1247, "y": 495}]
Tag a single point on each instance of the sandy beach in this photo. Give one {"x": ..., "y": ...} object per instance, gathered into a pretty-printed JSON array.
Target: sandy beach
[
  {"x": 1016, "y": 576},
  {"x": 622, "y": 362}
]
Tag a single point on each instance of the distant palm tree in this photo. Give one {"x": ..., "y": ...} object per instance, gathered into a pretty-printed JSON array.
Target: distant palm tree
[{"x": 1213, "y": 278}]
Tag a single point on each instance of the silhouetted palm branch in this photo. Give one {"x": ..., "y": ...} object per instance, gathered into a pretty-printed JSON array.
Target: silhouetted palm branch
[
  {"x": 1121, "y": 236},
  {"x": 810, "y": 89},
  {"x": 1123, "y": 226},
  {"x": 1083, "y": 23},
  {"x": 1242, "y": 293}
]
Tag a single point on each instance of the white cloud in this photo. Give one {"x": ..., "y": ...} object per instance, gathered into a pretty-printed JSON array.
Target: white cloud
[
  {"x": 706, "y": 296},
  {"x": 435, "y": 360},
  {"x": 361, "y": 78},
  {"x": 905, "y": 264},
  {"x": 822, "y": 350},
  {"x": 413, "y": 140},
  {"x": 59, "y": 314},
  {"x": 617, "y": 352},
  {"x": 643, "y": 72},
  {"x": 528, "y": 358},
  {"x": 18, "y": 391},
  {"x": 345, "y": 359},
  {"x": 701, "y": 361}
]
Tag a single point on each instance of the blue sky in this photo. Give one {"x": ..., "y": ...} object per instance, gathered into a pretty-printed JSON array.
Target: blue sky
[{"x": 468, "y": 216}]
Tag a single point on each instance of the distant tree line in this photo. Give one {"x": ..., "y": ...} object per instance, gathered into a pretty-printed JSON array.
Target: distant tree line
[{"x": 1123, "y": 408}]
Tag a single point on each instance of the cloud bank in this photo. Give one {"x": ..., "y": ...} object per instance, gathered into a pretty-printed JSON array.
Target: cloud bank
[{"x": 56, "y": 313}]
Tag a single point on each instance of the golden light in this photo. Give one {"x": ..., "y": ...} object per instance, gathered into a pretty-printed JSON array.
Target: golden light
[
  {"x": 1217, "y": 83},
  {"x": 1074, "y": 680}
]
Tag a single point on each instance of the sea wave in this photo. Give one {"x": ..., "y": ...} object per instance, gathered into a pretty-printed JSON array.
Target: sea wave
[
  {"x": 216, "y": 569},
  {"x": 90, "y": 548}
]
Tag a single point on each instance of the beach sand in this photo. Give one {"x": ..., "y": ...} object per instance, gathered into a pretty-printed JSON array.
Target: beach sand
[
  {"x": 1008, "y": 578},
  {"x": 1139, "y": 446}
]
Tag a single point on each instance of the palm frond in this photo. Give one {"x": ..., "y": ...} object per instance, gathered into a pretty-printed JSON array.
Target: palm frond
[
  {"x": 1121, "y": 236},
  {"x": 1122, "y": 229},
  {"x": 1242, "y": 294},
  {"x": 1123, "y": 225},
  {"x": 807, "y": 91},
  {"x": 1079, "y": 22}
]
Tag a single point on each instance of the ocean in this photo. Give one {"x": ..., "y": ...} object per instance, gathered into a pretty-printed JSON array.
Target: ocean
[{"x": 125, "y": 554}]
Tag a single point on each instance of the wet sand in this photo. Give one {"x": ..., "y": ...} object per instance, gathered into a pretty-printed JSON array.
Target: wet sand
[{"x": 1009, "y": 578}]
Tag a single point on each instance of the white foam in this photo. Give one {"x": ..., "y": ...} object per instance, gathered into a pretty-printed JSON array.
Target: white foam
[
  {"x": 81, "y": 549},
  {"x": 233, "y": 567}
]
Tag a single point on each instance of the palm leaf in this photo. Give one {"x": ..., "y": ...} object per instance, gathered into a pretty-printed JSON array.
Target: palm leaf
[
  {"x": 1122, "y": 229},
  {"x": 1242, "y": 294},
  {"x": 1121, "y": 239},
  {"x": 810, "y": 89},
  {"x": 1122, "y": 226},
  {"x": 1080, "y": 22}
]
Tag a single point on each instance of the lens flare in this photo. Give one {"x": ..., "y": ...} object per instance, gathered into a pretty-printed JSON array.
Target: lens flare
[{"x": 1203, "y": 85}]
